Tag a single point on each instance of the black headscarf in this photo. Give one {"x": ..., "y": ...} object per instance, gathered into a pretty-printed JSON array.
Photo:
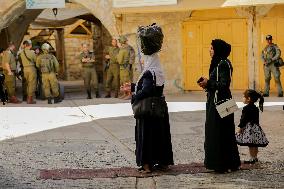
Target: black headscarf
[{"x": 221, "y": 52}]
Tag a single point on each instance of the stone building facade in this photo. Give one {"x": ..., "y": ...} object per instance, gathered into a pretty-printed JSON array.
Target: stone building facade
[{"x": 182, "y": 24}]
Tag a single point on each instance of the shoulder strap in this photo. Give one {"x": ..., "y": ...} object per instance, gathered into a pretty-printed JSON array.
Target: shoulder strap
[
  {"x": 27, "y": 56},
  {"x": 229, "y": 70},
  {"x": 216, "y": 92}
]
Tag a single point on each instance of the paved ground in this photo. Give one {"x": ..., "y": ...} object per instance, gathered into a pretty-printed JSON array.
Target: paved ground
[{"x": 109, "y": 143}]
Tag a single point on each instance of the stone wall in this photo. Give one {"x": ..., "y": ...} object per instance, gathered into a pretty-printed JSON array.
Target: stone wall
[
  {"x": 99, "y": 39},
  {"x": 72, "y": 50},
  {"x": 171, "y": 53}
]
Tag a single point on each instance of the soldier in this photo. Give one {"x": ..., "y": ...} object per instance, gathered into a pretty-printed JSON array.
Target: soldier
[
  {"x": 21, "y": 72},
  {"x": 270, "y": 55},
  {"x": 123, "y": 59},
  {"x": 49, "y": 66},
  {"x": 9, "y": 68},
  {"x": 28, "y": 64},
  {"x": 131, "y": 60},
  {"x": 87, "y": 60},
  {"x": 39, "y": 92},
  {"x": 1, "y": 56},
  {"x": 112, "y": 69}
]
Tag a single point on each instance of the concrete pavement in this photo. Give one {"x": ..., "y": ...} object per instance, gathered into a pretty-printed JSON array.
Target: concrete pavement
[{"x": 109, "y": 143}]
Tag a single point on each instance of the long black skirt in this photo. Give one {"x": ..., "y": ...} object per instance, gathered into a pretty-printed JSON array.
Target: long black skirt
[
  {"x": 221, "y": 151},
  {"x": 153, "y": 141}
]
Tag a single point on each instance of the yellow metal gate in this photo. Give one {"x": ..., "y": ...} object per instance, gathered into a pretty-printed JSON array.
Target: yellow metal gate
[
  {"x": 197, "y": 37},
  {"x": 274, "y": 27}
]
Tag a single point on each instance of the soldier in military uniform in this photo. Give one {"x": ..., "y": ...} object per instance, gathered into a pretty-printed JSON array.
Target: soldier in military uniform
[
  {"x": 39, "y": 92},
  {"x": 9, "y": 69},
  {"x": 131, "y": 60},
  {"x": 49, "y": 66},
  {"x": 87, "y": 60},
  {"x": 112, "y": 69},
  {"x": 270, "y": 55},
  {"x": 28, "y": 61},
  {"x": 1, "y": 56},
  {"x": 123, "y": 59}
]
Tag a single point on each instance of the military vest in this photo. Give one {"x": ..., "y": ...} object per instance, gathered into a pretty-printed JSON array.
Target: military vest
[
  {"x": 113, "y": 52},
  {"x": 123, "y": 56},
  {"x": 47, "y": 64},
  {"x": 87, "y": 55},
  {"x": 270, "y": 51}
]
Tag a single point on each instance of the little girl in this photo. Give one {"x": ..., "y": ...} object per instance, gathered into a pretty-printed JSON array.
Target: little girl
[{"x": 249, "y": 132}]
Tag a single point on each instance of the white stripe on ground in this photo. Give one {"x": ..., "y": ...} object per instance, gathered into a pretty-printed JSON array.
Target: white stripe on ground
[{"x": 19, "y": 121}]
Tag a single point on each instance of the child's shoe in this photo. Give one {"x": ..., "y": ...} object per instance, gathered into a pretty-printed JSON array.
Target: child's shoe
[{"x": 251, "y": 161}]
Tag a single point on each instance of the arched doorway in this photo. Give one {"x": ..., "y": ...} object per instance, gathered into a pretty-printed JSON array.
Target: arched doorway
[{"x": 17, "y": 20}]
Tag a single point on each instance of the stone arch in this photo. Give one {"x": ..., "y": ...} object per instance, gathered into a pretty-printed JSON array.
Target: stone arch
[{"x": 100, "y": 9}]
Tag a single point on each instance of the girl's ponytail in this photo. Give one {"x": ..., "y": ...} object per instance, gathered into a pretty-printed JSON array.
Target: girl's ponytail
[{"x": 261, "y": 101}]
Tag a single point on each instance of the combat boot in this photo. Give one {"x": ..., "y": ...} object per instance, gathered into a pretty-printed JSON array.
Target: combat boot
[
  {"x": 89, "y": 94},
  {"x": 14, "y": 100},
  {"x": 49, "y": 100},
  {"x": 24, "y": 97},
  {"x": 98, "y": 94},
  {"x": 57, "y": 100},
  {"x": 30, "y": 100},
  {"x": 116, "y": 94},
  {"x": 108, "y": 95}
]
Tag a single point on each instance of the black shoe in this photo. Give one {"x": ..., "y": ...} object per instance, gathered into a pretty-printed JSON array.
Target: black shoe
[
  {"x": 107, "y": 96},
  {"x": 49, "y": 100},
  {"x": 161, "y": 167},
  {"x": 98, "y": 95},
  {"x": 57, "y": 100},
  {"x": 221, "y": 171},
  {"x": 25, "y": 98},
  {"x": 251, "y": 161},
  {"x": 265, "y": 95},
  {"x": 89, "y": 95},
  {"x": 280, "y": 95}
]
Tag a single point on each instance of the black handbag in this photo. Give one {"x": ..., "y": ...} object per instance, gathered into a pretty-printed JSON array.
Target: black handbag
[{"x": 150, "y": 107}]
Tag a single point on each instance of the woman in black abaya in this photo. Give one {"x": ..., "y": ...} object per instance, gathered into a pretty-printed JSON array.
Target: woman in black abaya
[
  {"x": 221, "y": 151},
  {"x": 152, "y": 134}
]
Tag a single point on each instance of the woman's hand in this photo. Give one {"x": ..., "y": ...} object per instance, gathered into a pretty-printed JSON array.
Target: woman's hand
[
  {"x": 240, "y": 130},
  {"x": 203, "y": 83},
  {"x": 126, "y": 87}
]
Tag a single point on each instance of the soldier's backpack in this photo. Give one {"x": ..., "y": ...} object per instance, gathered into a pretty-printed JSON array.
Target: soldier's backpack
[{"x": 46, "y": 64}]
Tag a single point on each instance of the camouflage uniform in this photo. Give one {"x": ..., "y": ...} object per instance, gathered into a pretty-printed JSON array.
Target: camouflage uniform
[
  {"x": 270, "y": 55},
  {"x": 89, "y": 73},
  {"x": 113, "y": 70},
  {"x": 10, "y": 80},
  {"x": 28, "y": 60},
  {"x": 48, "y": 66},
  {"x": 123, "y": 58},
  {"x": 131, "y": 60}
]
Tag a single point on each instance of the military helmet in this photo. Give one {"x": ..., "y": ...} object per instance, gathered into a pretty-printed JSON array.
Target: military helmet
[
  {"x": 45, "y": 46},
  {"x": 27, "y": 42},
  {"x": 122, "y": 39},
  {"x": 268, "y": 37}
]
